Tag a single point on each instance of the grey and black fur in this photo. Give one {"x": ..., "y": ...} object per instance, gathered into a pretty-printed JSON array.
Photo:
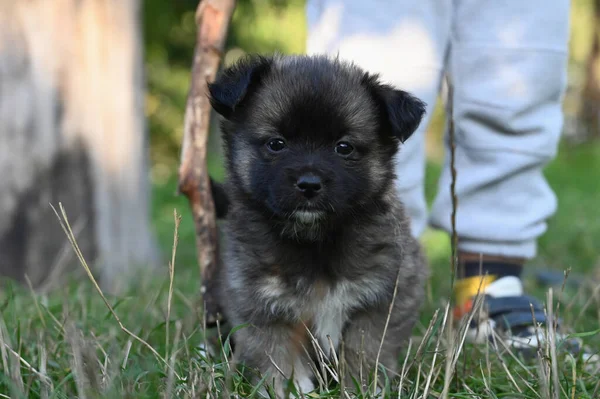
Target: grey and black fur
[{"x": 315, "y": 236}]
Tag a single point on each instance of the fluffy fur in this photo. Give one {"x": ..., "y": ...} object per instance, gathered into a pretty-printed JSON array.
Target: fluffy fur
[{"x": 315, "y": 236}]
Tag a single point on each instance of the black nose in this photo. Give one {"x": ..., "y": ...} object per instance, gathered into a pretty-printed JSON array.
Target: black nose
[{"x": 309, "y": 185}]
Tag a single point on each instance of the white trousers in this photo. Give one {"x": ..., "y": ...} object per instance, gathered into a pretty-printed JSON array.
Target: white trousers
[{"x": 506, "y": 64}]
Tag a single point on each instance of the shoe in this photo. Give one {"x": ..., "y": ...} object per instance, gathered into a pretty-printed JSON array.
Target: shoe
[{"x": 520, "y": 320}]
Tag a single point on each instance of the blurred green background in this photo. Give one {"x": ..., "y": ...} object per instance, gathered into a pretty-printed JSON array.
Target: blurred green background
[{"x": 278, "y": 25}]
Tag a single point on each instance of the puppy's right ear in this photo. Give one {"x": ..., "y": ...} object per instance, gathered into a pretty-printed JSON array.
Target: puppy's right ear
[{"x": 236, "y": 82}]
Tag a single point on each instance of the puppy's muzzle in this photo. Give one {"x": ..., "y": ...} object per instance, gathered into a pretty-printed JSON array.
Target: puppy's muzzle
[{"x": 309, "y": 185}]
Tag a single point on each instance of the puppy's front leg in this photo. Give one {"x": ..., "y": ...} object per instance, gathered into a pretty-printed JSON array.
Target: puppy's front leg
[
  {"x": 362, "y": 340},
  {"x": 276, "y": 351}
]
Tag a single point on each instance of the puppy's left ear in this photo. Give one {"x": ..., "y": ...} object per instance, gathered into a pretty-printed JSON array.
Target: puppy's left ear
[{"x": 402, "y": 111}]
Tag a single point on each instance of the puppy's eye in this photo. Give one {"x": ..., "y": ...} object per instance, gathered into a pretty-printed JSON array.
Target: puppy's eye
[
  {"x": 343, "y": 148},
  {"x": 276, "y": 145}
]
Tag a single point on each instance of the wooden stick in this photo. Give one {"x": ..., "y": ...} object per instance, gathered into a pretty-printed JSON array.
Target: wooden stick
[{"x": 212, "y": 21}]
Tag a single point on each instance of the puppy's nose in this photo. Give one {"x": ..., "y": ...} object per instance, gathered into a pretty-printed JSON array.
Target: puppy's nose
[{"x": 309, "y": 185}]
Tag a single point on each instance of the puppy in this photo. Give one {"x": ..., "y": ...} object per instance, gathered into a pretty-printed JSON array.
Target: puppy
[{"x": 316, "y": 238}]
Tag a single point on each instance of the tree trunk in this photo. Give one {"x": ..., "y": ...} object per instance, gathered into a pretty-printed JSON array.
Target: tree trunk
[
  {"x": 590, "y": 100},
  {"x": 72, "y": 130}
]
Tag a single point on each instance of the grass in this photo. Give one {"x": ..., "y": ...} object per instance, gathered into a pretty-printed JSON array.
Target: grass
[{"x": 69, "y": 343}]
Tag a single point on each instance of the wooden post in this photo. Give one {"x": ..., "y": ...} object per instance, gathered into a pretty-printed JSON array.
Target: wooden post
[{"x": 212, "y": 21}]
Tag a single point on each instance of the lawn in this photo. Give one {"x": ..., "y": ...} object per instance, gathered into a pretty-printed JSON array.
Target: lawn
[{"x": 70, "y": 344}]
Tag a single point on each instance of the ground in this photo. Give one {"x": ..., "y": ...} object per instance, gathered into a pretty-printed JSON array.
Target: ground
[{"x": 74, "y": 341}]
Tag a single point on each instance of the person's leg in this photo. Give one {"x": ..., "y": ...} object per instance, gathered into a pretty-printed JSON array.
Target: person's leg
[
  {"x": 508, "y": 72},
  {"x": 403, "y": 40}
]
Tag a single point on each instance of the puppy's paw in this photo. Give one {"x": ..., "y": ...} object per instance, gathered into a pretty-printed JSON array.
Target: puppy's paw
[{"x": 303, "y": 384}]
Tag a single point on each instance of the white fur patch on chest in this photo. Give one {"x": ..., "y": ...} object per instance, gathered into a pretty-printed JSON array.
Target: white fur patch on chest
[
  {"x": 330, "y": 312},
  {"x": 326, "y": 308},
  {"x": 328, "y": 319}
]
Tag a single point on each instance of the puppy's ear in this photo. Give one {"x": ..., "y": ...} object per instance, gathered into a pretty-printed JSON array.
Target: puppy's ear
[
  {"x": 402, "y": 111},
  {"x": 235, "y": 83}
]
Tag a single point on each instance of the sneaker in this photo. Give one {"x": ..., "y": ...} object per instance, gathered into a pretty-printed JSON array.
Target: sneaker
[{"x": 518, "y": 319}]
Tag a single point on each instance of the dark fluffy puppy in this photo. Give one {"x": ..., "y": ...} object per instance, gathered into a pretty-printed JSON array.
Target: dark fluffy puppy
[{"x": 316, "y": 236}]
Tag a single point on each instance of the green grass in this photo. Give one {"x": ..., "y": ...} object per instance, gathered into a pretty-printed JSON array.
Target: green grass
[{"x": 75, "y": 342}]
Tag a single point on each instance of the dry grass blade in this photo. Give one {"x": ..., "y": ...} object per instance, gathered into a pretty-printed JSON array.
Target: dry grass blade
[
  {"x": 495, "y": 339},
  {"x": 449, "y": 357},
  {"x": 224, "y": 349},
  {"x": 471, "y": 392},
  {"x": 43, "y": 366},
  {"x": 15, "y": 371},
  {"x": 404, "y": 371},
  {"x": 35, "y": 300},
  {"x": 279, "y": 370},
  {"x": 171, "y": 375},
  {"x": 336, "y": 362},
  {"x": 314, "y": 369},
  {"x": 590, "y": 300},
  {"x": 58, "y": 325},
  {"x": 484, "y": 379},
  {"x": 511, "y": 378},
  {"x": 417, "y": 384},
  {"x": 77, "y": 363},
  {"x": 452, "y": 359},
  {"x": 3, "y": 351},
  {"x": 509, "y": 350},
  {"x": 177, "y": 218},
  {"x": 437, "y": 348},
  {"x": 596, "y": 390},
  {"x": 543, "y": 378},
  {"x": 551, "y": 333},
  {"x": 574, "y": 374},
  {"x": 60, "y": 264},
  {"x": 64, "y": 223},
  {"x": 321, "y": 356},
  {"x": 101, "y": 349},
  {"x": 7, "y": 352},
  {"x": 343, "y": 370},
  {"x": 28, "y": 366},
  {"x": 385, "y": 327},
  {"x": 428, "y": 333},
  {"x": 127, "y": 351}
]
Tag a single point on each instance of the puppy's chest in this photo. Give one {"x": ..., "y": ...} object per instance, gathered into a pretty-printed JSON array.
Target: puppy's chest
[{"x": 325, "y": 308}]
